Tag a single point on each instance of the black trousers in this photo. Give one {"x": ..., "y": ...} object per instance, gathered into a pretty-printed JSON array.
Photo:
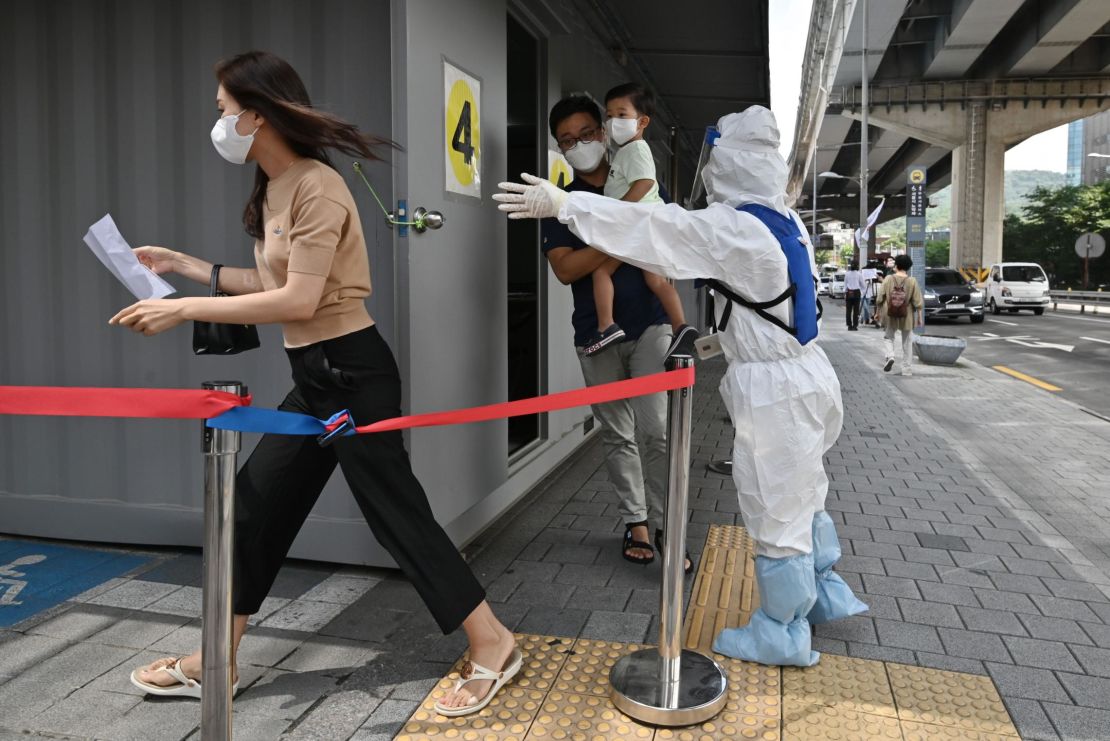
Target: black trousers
[
  {"x": 851, "y": 308},
  {"x": 281, "y": 481}
]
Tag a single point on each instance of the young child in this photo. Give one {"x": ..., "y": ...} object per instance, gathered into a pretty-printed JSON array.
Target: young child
[{"x": 628, "y": 111}]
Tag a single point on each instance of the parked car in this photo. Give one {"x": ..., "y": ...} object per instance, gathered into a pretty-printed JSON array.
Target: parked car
[
  {"x": 948, "y": 295},
  {"x": 1017, "y": 285},
  {"x": 823, "y": 285},
  {"x": 836, "y": 286}
]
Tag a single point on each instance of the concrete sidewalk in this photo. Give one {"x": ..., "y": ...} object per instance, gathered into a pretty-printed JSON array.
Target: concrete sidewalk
[{"x": 974, "y": 512}]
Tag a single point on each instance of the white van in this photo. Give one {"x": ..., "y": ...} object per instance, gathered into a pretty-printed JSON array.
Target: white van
[
  {"x": 836, "y": 287},
  {"x": 1017, "y": 285}
]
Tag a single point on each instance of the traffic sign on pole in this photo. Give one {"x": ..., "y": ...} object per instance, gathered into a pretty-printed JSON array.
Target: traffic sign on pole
[
  {"x": 916, "y": 203},
  {"x": 1088, "y": 246}
]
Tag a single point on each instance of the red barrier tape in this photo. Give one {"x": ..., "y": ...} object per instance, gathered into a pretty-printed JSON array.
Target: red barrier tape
[
  {"x": 200, "y": 404},
  {"x": 605, "y": 392},
  {"x": 117, "y": 402}
]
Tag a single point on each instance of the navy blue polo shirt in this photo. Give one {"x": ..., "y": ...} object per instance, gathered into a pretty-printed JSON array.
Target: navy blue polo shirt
[{"x": 635, "y": 307}]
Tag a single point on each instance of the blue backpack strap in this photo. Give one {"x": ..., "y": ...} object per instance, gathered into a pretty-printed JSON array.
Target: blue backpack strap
[{"x": 803, "y": 286}]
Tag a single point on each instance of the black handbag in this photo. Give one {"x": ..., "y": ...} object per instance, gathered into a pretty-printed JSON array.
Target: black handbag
[{"x": 214, "y": 338}]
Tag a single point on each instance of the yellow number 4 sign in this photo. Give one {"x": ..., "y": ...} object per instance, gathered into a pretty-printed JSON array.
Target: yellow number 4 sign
[{"x": 462, "y": 125}]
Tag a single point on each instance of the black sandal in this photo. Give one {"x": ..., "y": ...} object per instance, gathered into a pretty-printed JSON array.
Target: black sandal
[
  {"x": 659, "y": 547},
  {"x": 628, "y": 543}
]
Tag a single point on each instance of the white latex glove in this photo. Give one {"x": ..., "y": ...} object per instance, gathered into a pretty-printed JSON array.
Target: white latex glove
[{"x": 537, "y": 200}]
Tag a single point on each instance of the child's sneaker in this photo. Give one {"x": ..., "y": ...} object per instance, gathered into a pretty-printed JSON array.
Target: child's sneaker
[
  {"x": 683, "y": 342},
  {"x": 602, "y": 340}
]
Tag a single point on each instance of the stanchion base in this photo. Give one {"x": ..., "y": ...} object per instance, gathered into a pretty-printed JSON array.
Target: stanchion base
[
  {"x": 720, "y": 466},
  {"x": 636, "y": 689}
]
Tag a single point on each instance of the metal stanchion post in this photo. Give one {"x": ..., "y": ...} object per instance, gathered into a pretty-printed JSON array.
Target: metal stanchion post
[
  {"x": 220, "y": 449},
  {"x": 670, "y": 686}
]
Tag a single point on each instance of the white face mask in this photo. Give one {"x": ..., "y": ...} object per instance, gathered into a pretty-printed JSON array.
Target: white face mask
[
  {"x": 231, "y": 145},
  {"x": 621, "y": 130},
  {"x": 585, "y": 156}
]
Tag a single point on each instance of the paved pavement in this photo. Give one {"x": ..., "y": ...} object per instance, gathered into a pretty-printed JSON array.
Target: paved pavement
[{"x": 980, "y": 542}]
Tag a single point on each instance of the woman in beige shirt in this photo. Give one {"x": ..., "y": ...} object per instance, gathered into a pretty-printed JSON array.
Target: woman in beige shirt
[
  {"x": 311, "y": 275},
  {"x": 913, "y": 315}
]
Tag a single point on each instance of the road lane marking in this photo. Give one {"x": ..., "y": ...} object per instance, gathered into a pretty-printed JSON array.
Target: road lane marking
[
  {"x": 1028, "y": 379},
  {"x": 1008, "y": 324},
  {"x": 1035, "y": 343},
  {"x": 1025, "y": 341},
  {"x": 1096, "y": 339}
]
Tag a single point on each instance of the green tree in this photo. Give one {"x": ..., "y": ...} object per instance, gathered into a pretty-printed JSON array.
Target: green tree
[
  {"x": 936, "y": 253},
  {"x": 1053, "y": 218}
]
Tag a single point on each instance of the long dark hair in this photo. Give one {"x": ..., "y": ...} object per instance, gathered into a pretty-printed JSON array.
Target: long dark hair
[{"x": 268, "y": 85}]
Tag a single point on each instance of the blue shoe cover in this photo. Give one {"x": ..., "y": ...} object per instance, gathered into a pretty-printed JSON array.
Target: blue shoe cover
[
  {"x": 778, "y": 633},
  {"x": 835, "y": 599}
]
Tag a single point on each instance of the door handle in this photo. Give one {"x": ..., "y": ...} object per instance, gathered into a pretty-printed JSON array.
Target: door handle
[{"x": 423, "y": 220}]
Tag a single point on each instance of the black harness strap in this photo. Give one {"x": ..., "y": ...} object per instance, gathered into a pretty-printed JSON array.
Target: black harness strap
[{"x": 759, "y": 307}]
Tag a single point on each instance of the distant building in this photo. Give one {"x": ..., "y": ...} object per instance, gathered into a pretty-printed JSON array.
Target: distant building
[
  {"x": 939, "y": 235},
  {"x": 1096, "y": 138},
  {"x": 1075, "y": 153}
]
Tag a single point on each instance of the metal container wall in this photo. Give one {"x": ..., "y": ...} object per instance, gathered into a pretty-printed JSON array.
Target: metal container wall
[{"x": 108, "y": 108}]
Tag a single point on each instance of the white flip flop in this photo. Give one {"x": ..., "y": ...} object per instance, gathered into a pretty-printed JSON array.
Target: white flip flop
[
  {"x": 472, "y": 672},
  {"x": 185, "y": 686}
]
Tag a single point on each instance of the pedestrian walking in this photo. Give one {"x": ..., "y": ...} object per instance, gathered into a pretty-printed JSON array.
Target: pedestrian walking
[
  {"x": 902, "y": 308},
  {"x": 311, "y": 275},
  {"x": 853, "y": 290}
]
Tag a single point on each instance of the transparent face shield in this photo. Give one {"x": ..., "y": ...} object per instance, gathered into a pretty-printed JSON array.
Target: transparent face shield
[{"x": 697, "y": 192}]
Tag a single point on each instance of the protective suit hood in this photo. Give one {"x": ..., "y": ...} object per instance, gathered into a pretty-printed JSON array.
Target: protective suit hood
[{"x": 744, "y": 165}]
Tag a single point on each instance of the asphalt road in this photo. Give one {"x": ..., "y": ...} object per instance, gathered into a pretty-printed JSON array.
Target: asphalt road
[{"x": 1063, "y": 349}]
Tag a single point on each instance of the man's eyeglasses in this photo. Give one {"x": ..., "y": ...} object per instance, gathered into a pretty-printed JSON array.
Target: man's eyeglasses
[{"x": 571, "y": 142}]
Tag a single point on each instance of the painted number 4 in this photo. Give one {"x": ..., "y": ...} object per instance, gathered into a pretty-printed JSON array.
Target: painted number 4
[{"x": 461, "y": 141}]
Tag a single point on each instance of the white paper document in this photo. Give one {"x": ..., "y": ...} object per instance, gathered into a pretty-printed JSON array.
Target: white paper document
[{"x": 104, "y": 239}]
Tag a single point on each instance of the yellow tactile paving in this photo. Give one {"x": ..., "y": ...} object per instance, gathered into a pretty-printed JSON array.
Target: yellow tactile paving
[
  {"x": 562, "y": 691},
  {"x": 724, "y": 594},
  {"x": 965, "y": 701},
  {"x": 586, "y": 670},
  {"x": 859, "y": 685},
  {"x": 571, "y": 716},
  {"x": 507, "y": 718},
  {"x": 925, "y": 732},
  {"x": 823, "y": 722},
  {"x": 544, "y": 658}
]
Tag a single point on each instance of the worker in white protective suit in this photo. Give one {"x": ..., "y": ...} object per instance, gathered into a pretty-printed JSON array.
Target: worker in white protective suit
[{"x": 780, "y": 389}]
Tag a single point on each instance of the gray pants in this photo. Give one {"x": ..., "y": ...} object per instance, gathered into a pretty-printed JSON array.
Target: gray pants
[
  {"x": 907, "y": 345},
  {"x": 634, "y": 431}
]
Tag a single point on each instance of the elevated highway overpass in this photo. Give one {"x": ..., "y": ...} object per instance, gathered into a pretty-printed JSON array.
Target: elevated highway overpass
[{"x": 952, "y": 85}]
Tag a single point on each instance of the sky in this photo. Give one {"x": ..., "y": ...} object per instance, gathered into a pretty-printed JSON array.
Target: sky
[{"x": 787, "y": 37}]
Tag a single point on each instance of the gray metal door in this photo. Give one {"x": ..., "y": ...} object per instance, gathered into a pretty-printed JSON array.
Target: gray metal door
[{"x": 452, "y": 282}]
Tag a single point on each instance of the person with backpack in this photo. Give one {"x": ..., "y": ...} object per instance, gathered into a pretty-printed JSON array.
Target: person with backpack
[
  {"x": 902, "y": 308},
  {"x": 781, "y": 391}
]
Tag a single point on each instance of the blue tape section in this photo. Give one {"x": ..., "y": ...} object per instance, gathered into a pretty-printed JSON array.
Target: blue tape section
[
  {"x": 253, "y": 419},
  {"x": 711, "y": 136}
]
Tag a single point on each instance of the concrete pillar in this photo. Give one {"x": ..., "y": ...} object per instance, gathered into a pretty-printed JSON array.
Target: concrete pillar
[
  {"x": 957, "y": 238},
  {"x": 994, "y": 200},
  {"x": 978, "y": 134},
  {"x": 978, "y": 192}
]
